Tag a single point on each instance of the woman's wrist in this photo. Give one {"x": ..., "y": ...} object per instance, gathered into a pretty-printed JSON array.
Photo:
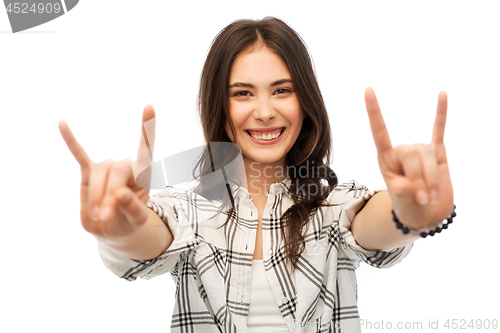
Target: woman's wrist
[{"x": 424, "y": 232}]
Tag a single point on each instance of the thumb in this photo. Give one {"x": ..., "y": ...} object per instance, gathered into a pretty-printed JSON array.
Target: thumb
[
  {"x": 134, "y": 210},
  {"x": 401, "y": 192}
]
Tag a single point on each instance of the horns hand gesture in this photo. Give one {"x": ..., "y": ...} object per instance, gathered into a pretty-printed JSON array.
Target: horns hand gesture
[
  {"x": 113, "y": 206},
  {"x": 417, "y": 176}
]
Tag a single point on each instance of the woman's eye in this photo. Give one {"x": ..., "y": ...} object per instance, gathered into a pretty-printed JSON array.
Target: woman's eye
[
  {"x": 242, "y": 93},
  {"x": 282, "y": 91}
]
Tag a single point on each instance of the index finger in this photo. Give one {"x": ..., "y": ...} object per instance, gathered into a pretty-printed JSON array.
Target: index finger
[
  {"x": 74, "y": 147},
  {"x": 146, "y": 146},
  {"x": 440, "y": 122},
  {"x": 377, "y": 123}
]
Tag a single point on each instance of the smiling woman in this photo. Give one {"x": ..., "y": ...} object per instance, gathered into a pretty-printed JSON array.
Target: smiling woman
[
  {"x": 268, "y": 84},
  {"x": 282, "y": 257}
]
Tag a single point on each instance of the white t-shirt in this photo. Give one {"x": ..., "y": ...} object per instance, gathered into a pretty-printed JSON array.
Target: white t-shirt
[{"x": 263, "y": 312}]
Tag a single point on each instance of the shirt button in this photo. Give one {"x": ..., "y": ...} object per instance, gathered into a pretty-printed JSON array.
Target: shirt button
[
  {"x": 271, "y": 213},
  {"x": 284, "y": 300},
  {"x": 270, "y": 252}
]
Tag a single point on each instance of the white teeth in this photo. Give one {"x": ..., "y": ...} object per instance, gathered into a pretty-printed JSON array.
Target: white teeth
[{"x": 266, "y": 137}]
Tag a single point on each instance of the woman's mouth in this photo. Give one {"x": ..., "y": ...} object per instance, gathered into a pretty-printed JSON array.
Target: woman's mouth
[{"x": 266, "y": 137}]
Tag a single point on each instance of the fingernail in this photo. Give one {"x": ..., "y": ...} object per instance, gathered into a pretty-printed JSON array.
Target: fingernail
[
  {"x": 105, "y": 213},
  {"x": 95, "y": 213},
  {"x": 422, "y": 197},
  {"x": 434, "y": 197}
]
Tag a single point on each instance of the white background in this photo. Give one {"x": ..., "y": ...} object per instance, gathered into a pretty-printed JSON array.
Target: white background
[{"x": 98, "y": 66}]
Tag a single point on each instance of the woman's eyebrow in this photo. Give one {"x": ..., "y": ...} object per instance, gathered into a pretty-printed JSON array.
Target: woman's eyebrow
[
  {"x": 249, "y": 85},
  {"x": 241, "y": 85},
  {"x": 282, "y": 81}
]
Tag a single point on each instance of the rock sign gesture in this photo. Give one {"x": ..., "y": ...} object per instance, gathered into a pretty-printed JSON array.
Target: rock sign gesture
[
  {"x": 417, "y": 176},
  {"x": 110, "y": 186}
]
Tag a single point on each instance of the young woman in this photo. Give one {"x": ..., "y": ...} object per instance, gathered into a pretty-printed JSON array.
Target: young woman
[{"x": 281, "y": 256}]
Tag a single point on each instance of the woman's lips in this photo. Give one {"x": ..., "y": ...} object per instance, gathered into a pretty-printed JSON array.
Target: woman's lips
[{"x": 265, "y": 141}]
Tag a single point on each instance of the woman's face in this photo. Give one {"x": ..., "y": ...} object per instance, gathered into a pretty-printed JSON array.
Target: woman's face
[{"x": 263, "y": 106}]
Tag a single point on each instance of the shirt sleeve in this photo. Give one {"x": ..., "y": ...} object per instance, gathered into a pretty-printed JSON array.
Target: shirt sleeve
[
  {"x": 167, "y": 205},
  {"x": 352, "y": 197}
]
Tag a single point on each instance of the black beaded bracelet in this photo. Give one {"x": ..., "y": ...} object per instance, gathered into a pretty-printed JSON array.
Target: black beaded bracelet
[{"x": 423, "y": 234}]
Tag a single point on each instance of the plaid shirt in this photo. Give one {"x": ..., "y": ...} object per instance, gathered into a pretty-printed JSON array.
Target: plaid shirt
[{"x": 212, "y": 267}]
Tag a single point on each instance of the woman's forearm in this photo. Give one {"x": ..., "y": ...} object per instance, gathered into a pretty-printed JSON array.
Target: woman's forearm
[{"x": 373, "y": 227}]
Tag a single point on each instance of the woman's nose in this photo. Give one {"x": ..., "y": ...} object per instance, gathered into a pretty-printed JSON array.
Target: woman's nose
[{"x": 265, "y": 111}]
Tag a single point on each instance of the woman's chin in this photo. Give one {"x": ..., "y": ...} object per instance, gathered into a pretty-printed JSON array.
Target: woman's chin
[{"x": 263, "y": 159}]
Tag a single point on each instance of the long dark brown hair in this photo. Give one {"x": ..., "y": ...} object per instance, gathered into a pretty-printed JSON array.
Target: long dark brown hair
[{"x": 311, "y": 151}]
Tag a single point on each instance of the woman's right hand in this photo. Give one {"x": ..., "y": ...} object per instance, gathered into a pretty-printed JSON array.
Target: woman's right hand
[{"x": 111, "y": 185}]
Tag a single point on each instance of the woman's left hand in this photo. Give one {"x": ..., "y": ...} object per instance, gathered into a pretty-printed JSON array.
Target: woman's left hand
[{"x": 417, "y": 176}]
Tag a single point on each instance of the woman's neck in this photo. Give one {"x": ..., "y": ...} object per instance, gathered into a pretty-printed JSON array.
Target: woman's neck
[{"x": 260, "y": 176}]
